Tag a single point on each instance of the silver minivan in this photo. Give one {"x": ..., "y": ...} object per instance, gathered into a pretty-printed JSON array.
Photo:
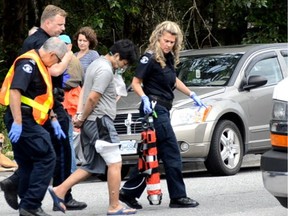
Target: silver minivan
[{"x": 236, "y": 83}]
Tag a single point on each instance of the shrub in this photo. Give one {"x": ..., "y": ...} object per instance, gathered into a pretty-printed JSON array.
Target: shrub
[{"x": 6, "y": 145}]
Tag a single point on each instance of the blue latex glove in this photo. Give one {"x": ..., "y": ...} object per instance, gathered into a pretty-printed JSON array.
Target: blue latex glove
[
  {"x": 15, "y": 132},
  {"x": 146, "y": 105},
  {"x": 57, "y": 129},
  {"x": 197, "y": 100}
]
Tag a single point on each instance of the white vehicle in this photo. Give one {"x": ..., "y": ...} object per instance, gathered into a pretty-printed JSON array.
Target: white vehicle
[{"x": 274, "y": 162}]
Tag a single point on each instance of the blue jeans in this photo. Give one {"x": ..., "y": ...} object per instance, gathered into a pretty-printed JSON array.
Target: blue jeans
[{"x": 73, "y": 155}]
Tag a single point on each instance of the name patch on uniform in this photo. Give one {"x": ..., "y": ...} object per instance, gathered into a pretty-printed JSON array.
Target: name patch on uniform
[
  {"x": 27, "y": 68},
  {"x": 144, "y": 60}
]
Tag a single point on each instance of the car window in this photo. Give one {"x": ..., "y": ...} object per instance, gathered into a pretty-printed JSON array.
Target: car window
[
  {"x": 269, "y": 68},
  {"x": 207, "y": 69},
  {"x": 284, "y": 53}
]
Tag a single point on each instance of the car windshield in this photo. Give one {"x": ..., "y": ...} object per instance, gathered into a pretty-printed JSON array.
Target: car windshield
[{"x": 207, "y": 70}]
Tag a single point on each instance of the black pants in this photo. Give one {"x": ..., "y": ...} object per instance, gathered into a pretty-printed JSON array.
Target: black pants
[
  {"x": 168, "y": 152},
  {"x": 35, "y": 157},
  {"x": 62, "y": 149}
]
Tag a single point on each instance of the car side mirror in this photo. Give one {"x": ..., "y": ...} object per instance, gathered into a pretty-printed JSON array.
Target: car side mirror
[{"x": 254, "y": 81}]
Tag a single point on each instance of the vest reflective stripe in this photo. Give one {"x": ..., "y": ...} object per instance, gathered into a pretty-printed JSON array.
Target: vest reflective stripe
[{"x": 40, "y": 104}]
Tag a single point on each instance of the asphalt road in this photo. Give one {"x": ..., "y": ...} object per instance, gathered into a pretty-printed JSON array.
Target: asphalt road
[{"x": 239, "y": 195}]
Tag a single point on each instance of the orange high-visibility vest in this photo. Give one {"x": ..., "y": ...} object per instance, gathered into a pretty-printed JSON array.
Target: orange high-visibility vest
[{"x": 40, "y": 104}]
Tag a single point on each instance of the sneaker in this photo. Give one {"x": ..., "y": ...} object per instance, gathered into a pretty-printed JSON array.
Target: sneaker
[
  {"x": 10, "y": 193},
  {"x": 184, "y": 202},
  {"x": 129, "y": 201}
]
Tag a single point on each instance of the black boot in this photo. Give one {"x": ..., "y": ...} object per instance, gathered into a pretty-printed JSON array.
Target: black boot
[
  {"x": 184, "y": 202},
  {"x": 129, "y": 201},
  {"x": 10, "y": 193}
]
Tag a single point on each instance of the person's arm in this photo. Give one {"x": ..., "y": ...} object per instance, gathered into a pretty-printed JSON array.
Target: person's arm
[
  {"x": 182, "y": 87},
  {"x": 15, "y": 105},
  {"x": 58, "y": 69},
  {"x": 136, "y": 85},
  {"x": 80, "y": 101},
  {"x": 90, "y": 103}
]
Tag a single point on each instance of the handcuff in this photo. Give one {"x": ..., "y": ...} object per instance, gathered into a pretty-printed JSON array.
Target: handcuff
[{"x": 78, "y": 116}]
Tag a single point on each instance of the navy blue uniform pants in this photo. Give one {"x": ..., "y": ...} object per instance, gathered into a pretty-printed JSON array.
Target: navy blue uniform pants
[
  {"x": 62, "y": 149},
  {"x": 35, "y": 157},
  {"x": 168, "y": 152}
]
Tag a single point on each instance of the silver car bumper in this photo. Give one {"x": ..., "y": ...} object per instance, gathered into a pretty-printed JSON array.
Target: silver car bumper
[{"x": 276, "y": 182}]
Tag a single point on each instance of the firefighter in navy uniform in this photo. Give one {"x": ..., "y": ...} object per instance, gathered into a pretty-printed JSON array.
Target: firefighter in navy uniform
[
  {"x": 27, "y": 91},
  {"x": 52, "y": 24},
  {"x": 156, "y": 71}
]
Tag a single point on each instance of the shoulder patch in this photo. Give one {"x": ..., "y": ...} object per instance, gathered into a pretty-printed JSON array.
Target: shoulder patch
[
  {"x": 144, "y": 59},
  {"x": 32, "y": 61},
  {"x": 27, "y": 68}
]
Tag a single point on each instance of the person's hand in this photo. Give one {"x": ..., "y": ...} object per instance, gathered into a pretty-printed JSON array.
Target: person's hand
[
  {"x": 197, "y": 99},
  {"x": 77, "y": 120},
  {"x": 146, "y": 104},
  {"x": 57, "y": 129},
  {"x": 15, "y": 132}
]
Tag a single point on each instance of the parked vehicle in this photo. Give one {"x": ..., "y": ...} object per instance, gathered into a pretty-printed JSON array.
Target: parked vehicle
[
  {"x": 274, "y": 162},
  {"x": 236, "y": 83}
]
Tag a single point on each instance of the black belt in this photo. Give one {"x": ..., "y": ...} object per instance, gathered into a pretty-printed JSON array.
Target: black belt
[
  {"x": 161, "y": 101},
  {"x": 26, "y": 110}
]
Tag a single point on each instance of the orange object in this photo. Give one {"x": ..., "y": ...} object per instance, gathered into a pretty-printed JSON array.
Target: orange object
[
  {"x": 71, "y": 99},
  {"x": 278, "y": 140},
  {"x": 148, "y": 165}
]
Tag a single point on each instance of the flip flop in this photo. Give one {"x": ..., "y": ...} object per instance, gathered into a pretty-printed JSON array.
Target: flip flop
[
  {"x": 123, "y": 211},
  {"x": 57, "y": 201}
]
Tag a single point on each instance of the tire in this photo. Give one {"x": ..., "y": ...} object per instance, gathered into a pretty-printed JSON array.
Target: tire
[
  {"x": 124, "y": 173},
  {"x": 283, "y": 201},
  {"x": 226, "y": 150}
]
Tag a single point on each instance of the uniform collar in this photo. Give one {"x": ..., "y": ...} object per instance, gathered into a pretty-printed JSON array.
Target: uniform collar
[{"x": 44, "y": 32}]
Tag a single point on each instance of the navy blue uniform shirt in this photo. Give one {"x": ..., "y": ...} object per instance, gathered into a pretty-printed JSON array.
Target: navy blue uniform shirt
[
  {"x": 157, "y": 80},
  {"x": 35, "y": 41},
  {"x": 28, "y": 79}
]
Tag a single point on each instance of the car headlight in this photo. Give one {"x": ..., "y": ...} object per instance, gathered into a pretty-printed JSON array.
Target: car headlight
[
  {"x": 189, "y": 115},
  {"x": 279, "y": 117}
]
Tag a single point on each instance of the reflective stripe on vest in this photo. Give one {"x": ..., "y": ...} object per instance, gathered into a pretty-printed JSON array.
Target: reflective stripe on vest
[{"x": 41, "y": 104}]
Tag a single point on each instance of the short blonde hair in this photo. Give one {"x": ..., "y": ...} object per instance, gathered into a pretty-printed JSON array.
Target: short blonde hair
[
  {"x": 51, "y": 11},
  {"x": 172, "y": 28}
]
